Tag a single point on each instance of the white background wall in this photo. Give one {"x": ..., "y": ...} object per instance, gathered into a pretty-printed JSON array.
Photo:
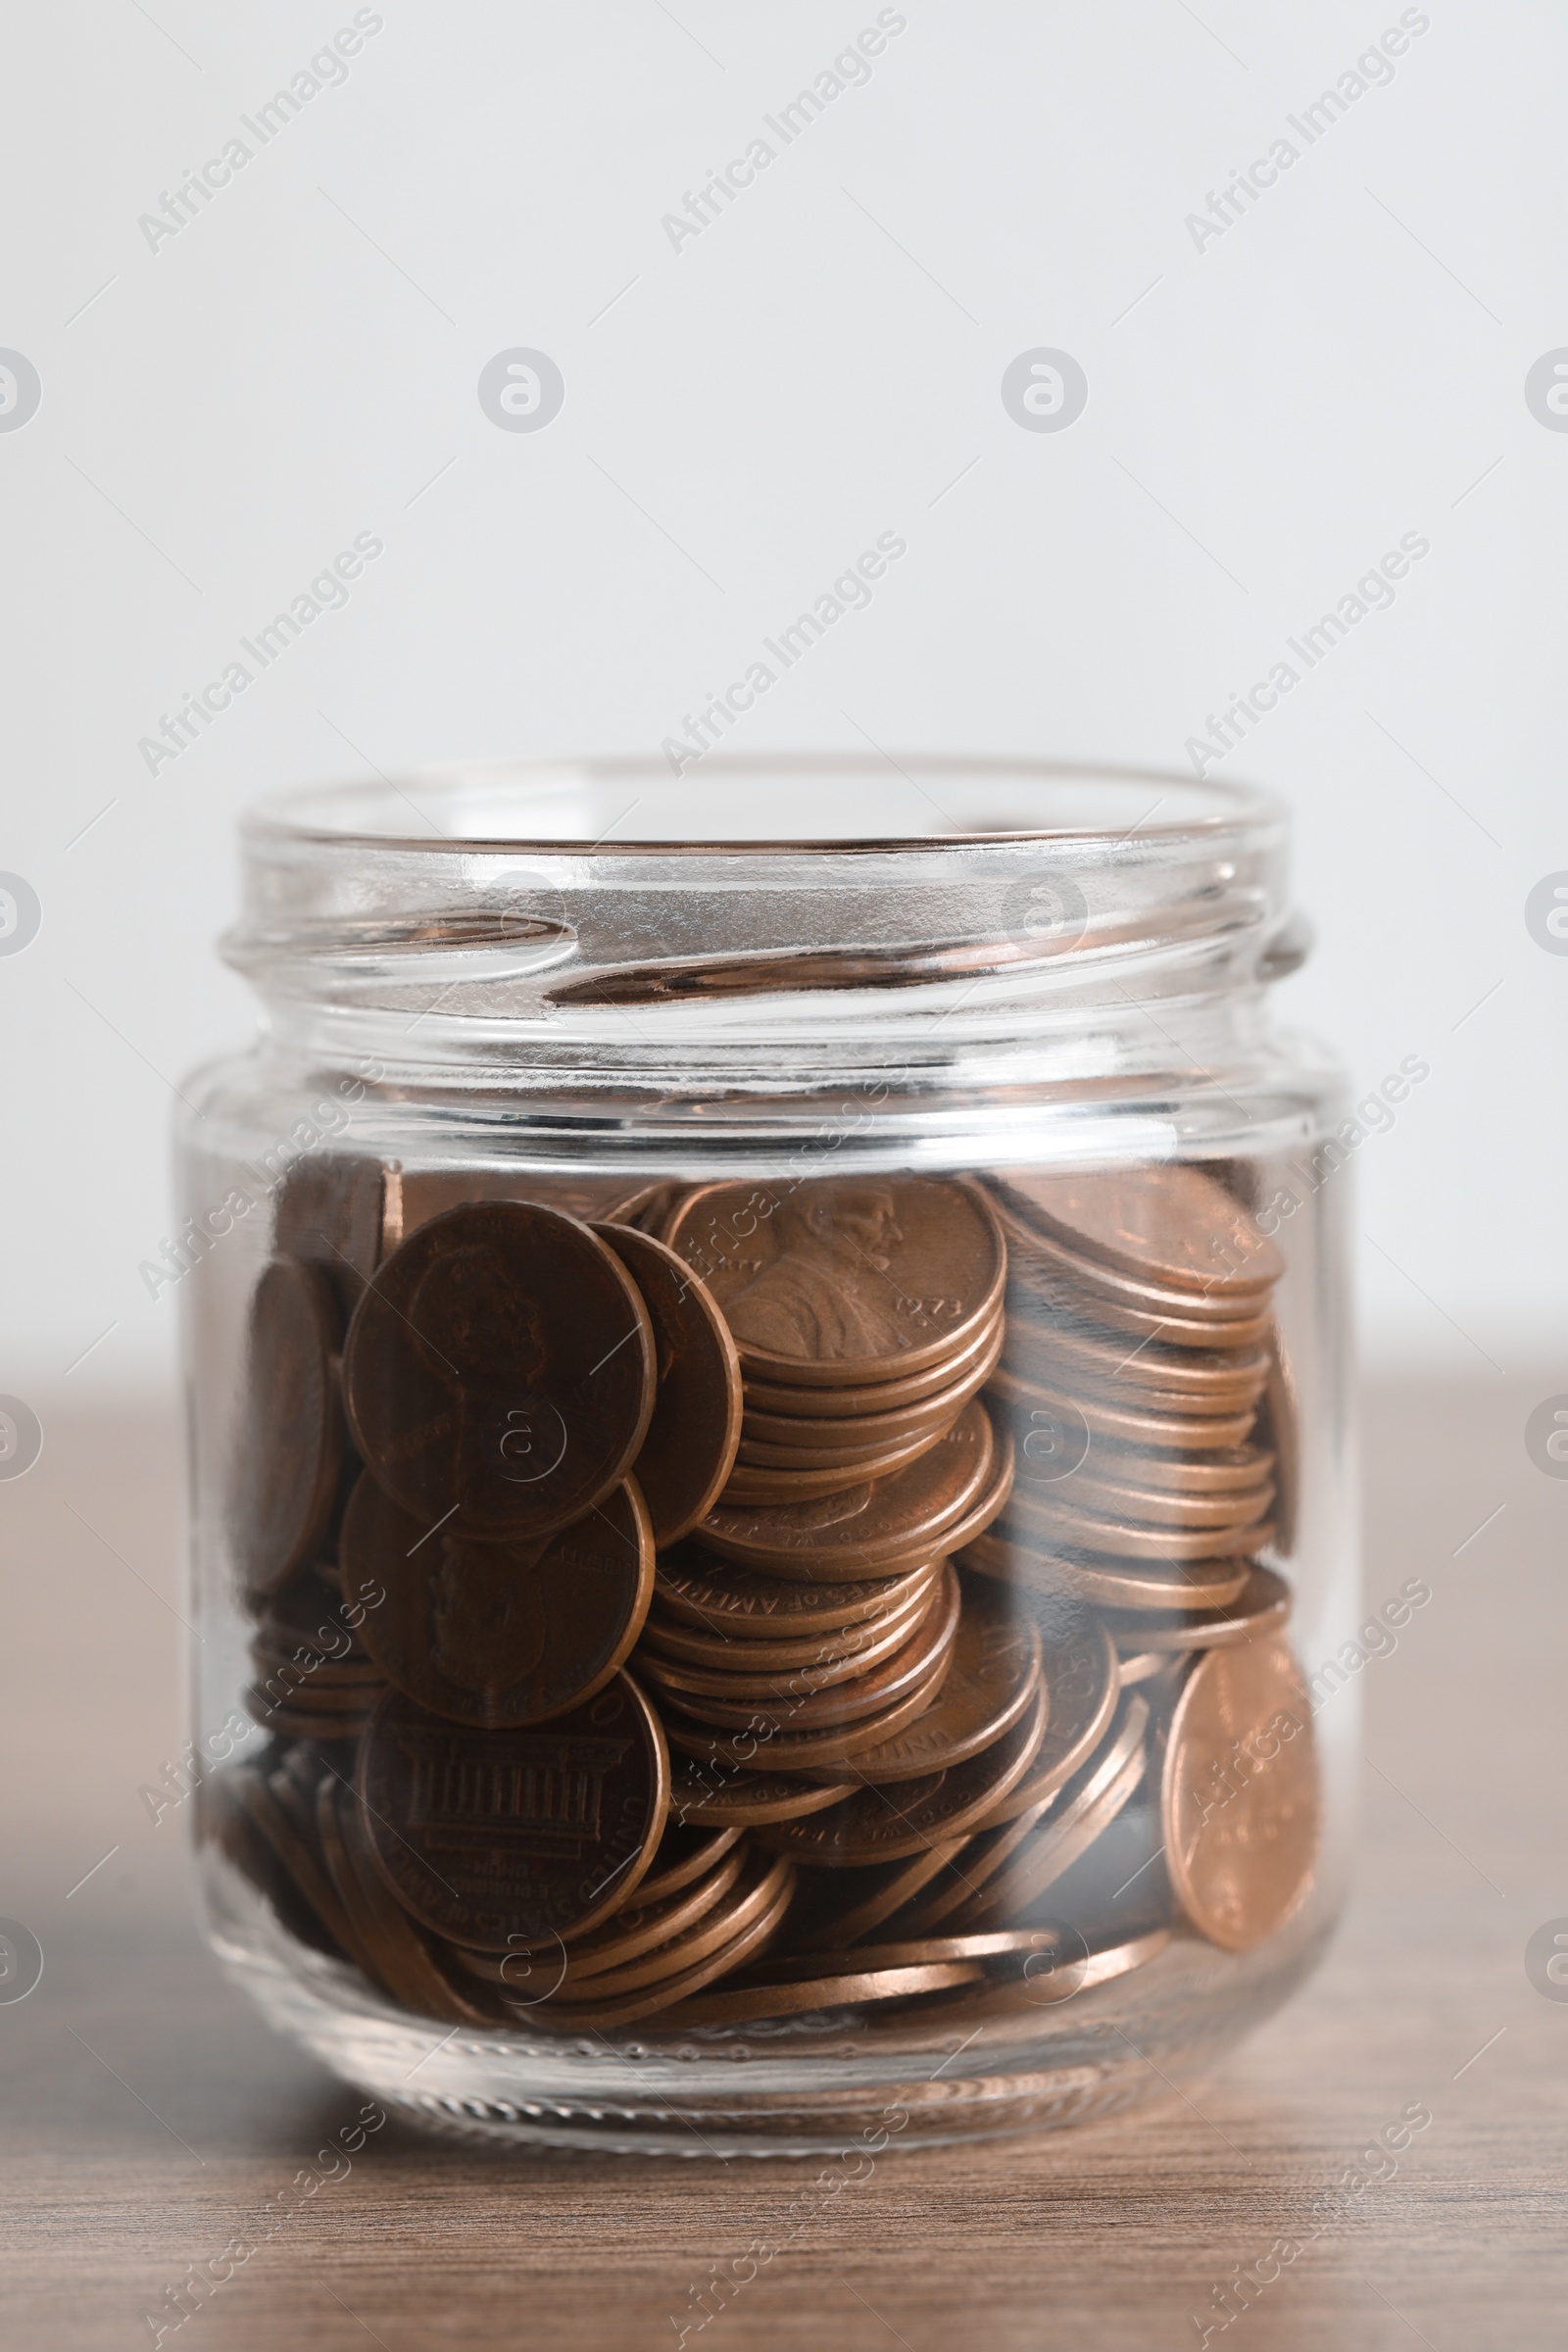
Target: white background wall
[{"x": 1267, "y": 414}]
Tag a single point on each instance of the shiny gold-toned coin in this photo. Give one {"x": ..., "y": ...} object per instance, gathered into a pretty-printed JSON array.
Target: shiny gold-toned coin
[{"x": 1241, "y": 1803}]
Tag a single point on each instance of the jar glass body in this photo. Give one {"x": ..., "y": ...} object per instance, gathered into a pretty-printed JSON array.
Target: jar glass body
[{"x": 773, "y": 1505}]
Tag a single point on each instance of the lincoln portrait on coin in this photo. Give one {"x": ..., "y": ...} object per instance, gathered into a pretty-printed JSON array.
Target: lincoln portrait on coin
[
  {"x": 488, "y": 1618},
  {"x": 827, "y": 1294}
]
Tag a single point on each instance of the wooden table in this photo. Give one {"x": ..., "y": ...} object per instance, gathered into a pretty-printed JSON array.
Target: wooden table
[{"x": 150, "y": 2117}]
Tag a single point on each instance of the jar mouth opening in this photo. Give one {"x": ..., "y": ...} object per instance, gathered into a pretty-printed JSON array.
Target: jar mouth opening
[{"x": 760, "y": 806}]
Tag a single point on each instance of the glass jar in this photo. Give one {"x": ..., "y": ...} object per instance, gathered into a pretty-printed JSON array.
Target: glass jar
[{"x": 767, "y": 1378}]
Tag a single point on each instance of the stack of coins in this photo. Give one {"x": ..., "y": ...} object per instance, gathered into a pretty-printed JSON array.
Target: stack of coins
[{"x": 703, "y": 1603}]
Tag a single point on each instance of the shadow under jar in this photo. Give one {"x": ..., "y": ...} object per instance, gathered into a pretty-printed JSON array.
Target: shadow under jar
[{"x": 768, "y": 1394}]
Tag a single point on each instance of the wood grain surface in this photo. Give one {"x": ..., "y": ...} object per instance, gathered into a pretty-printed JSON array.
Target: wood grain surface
[{"x": 150, "y": 2117}]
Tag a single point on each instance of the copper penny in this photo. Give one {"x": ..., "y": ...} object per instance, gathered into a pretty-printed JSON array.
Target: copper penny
[
  {"x": 1053, "y": 1527},
  {"x": 886, "y": 1825},
  {"x": 992, "y": 1680},
  {"x": 704, "y": 1794},
  {"x": 1262, "y": 1606},
  {"x": 1082, "y": 1812},
  {"x": 750, "y": 1883},
  {"x": 1049, "y": 1267},
  {"x": 1003, "y": 1943},
  {"x": 1076, "y": 1972},
  {"x": 758, "y": 1680},
  {"x": 870, "y": 1527},
  {"x": 1192, "y": 1380},
  {"x": 862, "y": 1432},
  {"x": 689, "y": 1450},
  {"x": 1122, "y": 1423},
  {"x": 1164, "y": 1221},
  {"x": 334, "y": 1209},
  {"x": 1220, "y": 1471},
  {"x": 394, "y": 1954},
  {"x": 1080, "y": 1671},
  {"x": 297, "y": 1860},
  {"x": 845, "y": 1280},
  {"x": 1053, "y": 1294},
  {"x": 501, "y": 1632},
  {"x": 1279, "y": 1427},
  {"x": 693, "y": 1585},
  {"x": 739, "y": 2004},
  {"x": 684, "y": 1854},
  {"x": 789, "y": 1401},
  {"x": 486, "y": 1835},
  {"x": 789, "y": 1712},
  {"x": 835, "y": 1909},
  {"x": 749, "y": 1942},
  {"x": 500, "y": 1363},
  {"x": 1154, "y": 1585},
  {"x": 748, "y": 1483},
  {"x": 1240, "y": 1802},
  {"x": 1159, "y": 1506},
  {"x": 290, "y": 1434},
  {"x": 762, "y": 1453},
  {"x": 820, "y": 1755},
  {"x": 639, "y": 1927},
  {"x": 672, "y": 1639}
]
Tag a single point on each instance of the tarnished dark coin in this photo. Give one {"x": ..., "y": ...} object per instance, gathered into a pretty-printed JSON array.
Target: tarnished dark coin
[
  {"x": 870, "y": 1527},
  {"x": 845, "y": 1280},
  {"x": 501, "y": 1632},
  {"x": 1164, "y": 1221},
  {"x": 500, "y": 1363},
  {"x": 693, "y": 1585},
  {"x": 1262, "y": 1606},
  {"x": 881, "y": 1824},
  {"x": 706, "y": 1794},
  {"x": 289, "y": 1440},
  {"x": 991, "y": 1681},
  {"x": 487, "y": 1836},
  {"x": 689, "y": 1450},
  {"x": 1240, "y": 1798}
]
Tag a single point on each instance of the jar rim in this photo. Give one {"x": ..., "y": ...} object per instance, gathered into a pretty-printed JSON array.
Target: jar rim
[{"x": 477, "y": 796}]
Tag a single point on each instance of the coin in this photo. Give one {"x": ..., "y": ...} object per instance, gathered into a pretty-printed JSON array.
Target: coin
[
  {"x": 1053, "y": 1527},
  {"x": 1260, "y": 1607},
  {"x": 1279, "y": 1427},
  {"x": 488, "y": 1834},
  {"x": 639, "y": 1927},
  {"x": 500, "y": 1363},
  {"x": 750, "y": 1669},
  {"x": 845, "y": 1280},
  {"x": 334, "y": 1209},
  {"x": 1157, "y": 1584},
  {"x": 844, "y": 1433},
  {"x": 740, "y": 2004},
  {"x": 1240, "y": 1800},
  {"x": 393, "y": 1954},
  {"x": 834, "y": 1910},
  {"x": 310, "y": 1907},
  {"x": 1188, "y": 1380},
  {"x": 870, "y": 1527},
  {"x": 885, "y": 1824},
  {"x": 1149, "y": 1504},
  {"x": 1093, "y": 1312},
  {"x": 731, "y": 1796},
  {"x": 1077, "y": 1971},
  {"x": 689, "y": 1450},
  {"x": 1222, "y": 1470},
  {"x": 830, "y": 1652},
  {"x": 501, "y": 1632},
  {"x": 993, "y": 1677},
  {"x": 791, "y": 1713},
  {"x": 684, "y": 1854},
  {"x": 815, "y": 1755},
  {"x": 1125, "y": 1424},
  {"x": 426, "y": 1194},
  {"x": 1081, "y": 1679},
  {"x": 290, "y": 1458},
  {"x": 695, "y": 1586},
  {"x": 751, "y": 1941},
  {"x": 1163, "y": 1220},
  {"x": 750, "y": 1484},
  {"x": 1003, "y": 1943},
  {"x": 1080, "y": 1816},
  {"x": 851, "y": 1402},
  {"x": 602, "y": 1971},
  {"x": 1051, "y": 1269}
]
